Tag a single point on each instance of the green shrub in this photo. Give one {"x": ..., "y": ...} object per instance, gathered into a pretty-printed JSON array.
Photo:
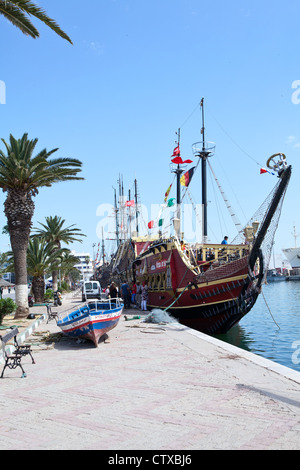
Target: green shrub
[
  {"x": 7, "y": 306},
  {"x": 48, "y": 294},
  {"x": 64, "y": 286}
]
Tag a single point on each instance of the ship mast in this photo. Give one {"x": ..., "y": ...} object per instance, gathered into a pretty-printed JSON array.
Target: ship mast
[
  {"x": 203, "y": 151},
  {"x": 116, "y": 210},
  {"x": 136, "y": 209},
  {"x": 178, "y": 171},
  {"x": 204, "y": 156},
  {"x": 295, "y": 235}
]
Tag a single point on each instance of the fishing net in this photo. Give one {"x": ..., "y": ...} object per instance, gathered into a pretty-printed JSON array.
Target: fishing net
[{"x": 258, "y": 220}]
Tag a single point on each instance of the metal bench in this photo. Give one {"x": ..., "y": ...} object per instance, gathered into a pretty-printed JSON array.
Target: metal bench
[
  {"x": 13, "y": 359},
  {"x": 51, "y": 315}
]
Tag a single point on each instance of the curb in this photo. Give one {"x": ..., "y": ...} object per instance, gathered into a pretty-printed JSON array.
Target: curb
[
  {"x": 23, "y": 335},
  {"x": 249, "y": 356}
]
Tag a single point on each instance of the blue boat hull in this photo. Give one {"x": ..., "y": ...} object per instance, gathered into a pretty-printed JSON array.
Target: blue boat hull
[{"x": 91, "y": 321}]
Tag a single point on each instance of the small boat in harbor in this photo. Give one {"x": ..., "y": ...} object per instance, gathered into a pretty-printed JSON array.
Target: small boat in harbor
[
  {"x": 273, "y": 275},
  {"x": 92, "y": 320}
]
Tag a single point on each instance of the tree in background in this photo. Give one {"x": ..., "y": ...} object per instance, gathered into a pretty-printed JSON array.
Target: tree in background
[
  {"x": 68, "y": 272},
  {"x": 54, "y": 231},
  {"x": 40, "y": 259}
]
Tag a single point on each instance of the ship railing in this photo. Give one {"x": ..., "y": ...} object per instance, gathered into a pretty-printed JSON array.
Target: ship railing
[
  {"x": 204, "y": 254},
  {"x": 109, "y": 302}
]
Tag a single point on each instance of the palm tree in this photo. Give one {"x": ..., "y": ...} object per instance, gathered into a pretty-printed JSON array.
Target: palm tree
[
  {"x": 68, "y": 261},
  {"x": 18, "y": 12},
  {"x": 55, "y": 232},
  {"x": 21, "y": 175},
  {"x": 40, "y": 259}
]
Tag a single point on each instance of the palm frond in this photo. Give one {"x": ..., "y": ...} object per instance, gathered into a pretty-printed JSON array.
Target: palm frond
[
  {"x": 19, "y": 11},
  {"x": 21, "y": 170},
  {"x": 15, "y": 16}
]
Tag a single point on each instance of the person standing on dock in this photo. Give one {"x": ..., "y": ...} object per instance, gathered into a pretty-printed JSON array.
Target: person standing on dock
[
  {"x": 225, "y": 242},
  {"x": 138, "y": 294},
  {"x": 126, "y": 294},
  {"x": 144, "y": 296},
  {"x": 113, "y": 291},
  {"x": 133, "y": 294}
]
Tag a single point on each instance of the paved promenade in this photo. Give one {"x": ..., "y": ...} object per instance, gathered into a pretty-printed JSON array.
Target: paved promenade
[{"x": 152, "y": 387}]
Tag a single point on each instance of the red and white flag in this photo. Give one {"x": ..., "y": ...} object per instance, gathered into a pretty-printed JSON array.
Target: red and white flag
[
  {"x": 176, "y": 151},
  {"x": 129, "y": 203}
]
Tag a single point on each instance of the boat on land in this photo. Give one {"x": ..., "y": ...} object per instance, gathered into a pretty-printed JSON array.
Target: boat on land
[
  {"x": 206, "y": 286},
  {"x": 92, "y": 320}
]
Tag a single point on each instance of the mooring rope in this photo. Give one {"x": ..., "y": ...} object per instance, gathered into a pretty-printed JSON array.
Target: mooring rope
[{"x": 270, "y": 310}]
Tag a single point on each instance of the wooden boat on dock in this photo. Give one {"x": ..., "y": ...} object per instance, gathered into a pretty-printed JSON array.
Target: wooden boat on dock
[{"x": 92, "y": 320}]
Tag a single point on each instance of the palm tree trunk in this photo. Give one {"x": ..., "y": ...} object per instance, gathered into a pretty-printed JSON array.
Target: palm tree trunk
[
  {"x": 54, "y": 281},
  {"x": 19, "y": 209},
  {"x": 38, "y": 288}
]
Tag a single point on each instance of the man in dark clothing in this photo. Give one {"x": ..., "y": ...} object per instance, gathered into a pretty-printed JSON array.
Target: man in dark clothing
[{"x": 126, "y": 294}]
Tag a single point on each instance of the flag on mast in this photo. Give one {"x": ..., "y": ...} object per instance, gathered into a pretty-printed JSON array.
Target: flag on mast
[
  {"x": 129, "y": 203},
  {"x": 176, "y": 151},
  {"x": 179, "y": 161},
  {"x": 186, "y": 177},
  {"x": 167, "y": 192}
]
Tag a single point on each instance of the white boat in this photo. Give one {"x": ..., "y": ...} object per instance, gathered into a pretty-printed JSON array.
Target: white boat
[{"x": 293, "y": 254}]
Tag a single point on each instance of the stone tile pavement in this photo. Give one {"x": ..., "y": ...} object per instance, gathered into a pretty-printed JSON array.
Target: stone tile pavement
[{"x": 153, "y": 387}]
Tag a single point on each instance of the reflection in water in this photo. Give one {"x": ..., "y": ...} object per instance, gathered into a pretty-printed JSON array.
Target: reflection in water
[{"x": 257, "y": 331}]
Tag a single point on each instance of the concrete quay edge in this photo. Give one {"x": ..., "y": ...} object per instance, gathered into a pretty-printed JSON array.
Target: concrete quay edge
[{"x": 249, "y": 356}]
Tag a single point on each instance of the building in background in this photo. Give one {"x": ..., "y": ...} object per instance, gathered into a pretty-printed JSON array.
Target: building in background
[{"x": 85, "y": 266}]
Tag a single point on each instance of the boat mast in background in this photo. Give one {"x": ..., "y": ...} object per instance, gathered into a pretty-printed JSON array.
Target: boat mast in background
[
  {"x": 295, "y": 235},
  {"x": 203, "y": 151},
  {"x": 136, "y": 209},
  {"x": 116, "y": 210}
]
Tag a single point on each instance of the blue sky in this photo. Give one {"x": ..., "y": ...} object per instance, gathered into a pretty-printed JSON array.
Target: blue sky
[{"x": 135, "y": 74}]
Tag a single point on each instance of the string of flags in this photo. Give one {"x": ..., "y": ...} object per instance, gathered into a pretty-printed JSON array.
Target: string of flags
[
  {"x": 263, "y": 170},
  {"x": 184, "y": 181}
]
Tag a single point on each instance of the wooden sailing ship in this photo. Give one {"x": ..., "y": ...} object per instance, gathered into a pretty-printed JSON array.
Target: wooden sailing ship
[{"x": 208, "y": 287}]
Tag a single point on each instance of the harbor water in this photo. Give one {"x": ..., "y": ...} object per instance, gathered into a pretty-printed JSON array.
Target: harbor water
[{"x": 272, "y": 328}]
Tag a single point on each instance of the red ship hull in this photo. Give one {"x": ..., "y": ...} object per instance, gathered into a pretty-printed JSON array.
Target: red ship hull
[{"x": 209, "y": 296}]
